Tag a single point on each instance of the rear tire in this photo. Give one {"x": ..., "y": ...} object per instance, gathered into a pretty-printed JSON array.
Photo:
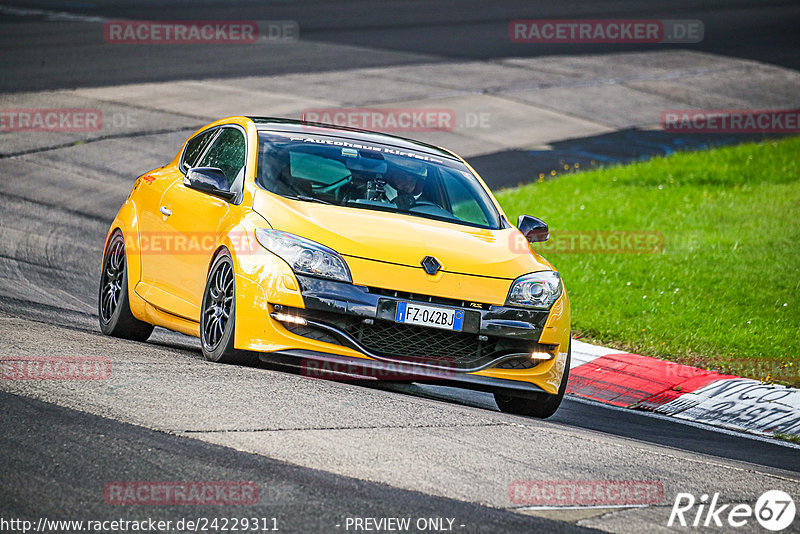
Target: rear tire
[
  {"x": 113, "y": 307},
  {"x": 542, "y": 405},
  {"x": 218, "y": 314}
]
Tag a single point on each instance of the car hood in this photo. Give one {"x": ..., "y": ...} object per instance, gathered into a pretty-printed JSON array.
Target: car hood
[{"x": 403, "y": 239}]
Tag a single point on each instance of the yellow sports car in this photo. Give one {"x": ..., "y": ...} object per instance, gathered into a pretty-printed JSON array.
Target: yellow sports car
[{"x": 348, "y": 251}]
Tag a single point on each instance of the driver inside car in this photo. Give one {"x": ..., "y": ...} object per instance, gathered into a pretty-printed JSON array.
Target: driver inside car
[{"x": 404, "y": 186}]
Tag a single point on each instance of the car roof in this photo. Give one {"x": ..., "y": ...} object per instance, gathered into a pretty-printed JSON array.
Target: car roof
[{"x": 351, "y": 134}]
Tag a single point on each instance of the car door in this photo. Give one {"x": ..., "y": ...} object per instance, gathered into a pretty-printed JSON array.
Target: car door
[
  {"x": 192, "y": 219},
  {"x": 153, "y": 242}
]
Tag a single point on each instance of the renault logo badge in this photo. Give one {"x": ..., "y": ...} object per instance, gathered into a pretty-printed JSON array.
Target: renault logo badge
[{"x": 431, "y": 265}]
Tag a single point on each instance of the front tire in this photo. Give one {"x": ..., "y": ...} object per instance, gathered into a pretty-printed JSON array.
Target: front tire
[
  {"x": 542, "y": 405},
  {"x": 113, "y": 306},
  {"x": 218, "y": 314}
]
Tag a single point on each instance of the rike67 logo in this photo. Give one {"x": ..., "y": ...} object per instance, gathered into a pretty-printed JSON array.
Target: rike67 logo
[{"x": 774, "y": 510}]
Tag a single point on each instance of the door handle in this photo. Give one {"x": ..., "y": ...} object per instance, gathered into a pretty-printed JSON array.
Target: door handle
[{"x": 165, "y": 211}]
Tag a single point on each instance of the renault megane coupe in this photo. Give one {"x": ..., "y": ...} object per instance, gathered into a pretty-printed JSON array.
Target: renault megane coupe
[{"x": 290, "y": 241}]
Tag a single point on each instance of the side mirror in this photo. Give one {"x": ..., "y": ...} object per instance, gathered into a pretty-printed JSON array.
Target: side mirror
[
  {"x": 533, "y": 229},
  {"x": 209, "y": 180}
]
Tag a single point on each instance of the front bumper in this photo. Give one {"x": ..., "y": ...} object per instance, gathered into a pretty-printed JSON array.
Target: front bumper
[
  {"x": 355, "y": 323},
  {"x": 362, "y": 318}
]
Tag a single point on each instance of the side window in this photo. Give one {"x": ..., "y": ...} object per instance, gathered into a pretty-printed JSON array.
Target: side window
[
  {"x": 195, "y": 148},
  {"x": 226, "y": 153}
]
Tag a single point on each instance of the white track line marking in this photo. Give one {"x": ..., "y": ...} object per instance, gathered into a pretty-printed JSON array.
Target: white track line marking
[{"x": 583, "y": 352}]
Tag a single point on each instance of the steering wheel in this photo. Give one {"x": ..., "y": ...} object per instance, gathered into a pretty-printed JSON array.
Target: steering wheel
[{"x": 335, "y": 185}]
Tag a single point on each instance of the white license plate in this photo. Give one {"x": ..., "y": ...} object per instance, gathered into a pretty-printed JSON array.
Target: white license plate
[{"x": 434, "y": 316}]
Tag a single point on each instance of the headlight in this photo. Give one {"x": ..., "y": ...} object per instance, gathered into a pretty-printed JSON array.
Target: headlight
[
  {"x": 303, "y": 255},
  {"x": 536, "y": 290}
]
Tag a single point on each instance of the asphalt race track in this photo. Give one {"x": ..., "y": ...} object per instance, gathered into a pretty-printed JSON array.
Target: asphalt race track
[
  {"x": 301, "y": 499},
  {"x": 319, "y": 451},
  {"x": 349, "y": 34}
]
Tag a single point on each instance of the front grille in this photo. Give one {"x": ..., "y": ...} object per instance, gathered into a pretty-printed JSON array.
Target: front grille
[
  {"x": 430, "y": 345},
  {"x": 312, "y": 332},
  {"x": 518, "y": 363}
]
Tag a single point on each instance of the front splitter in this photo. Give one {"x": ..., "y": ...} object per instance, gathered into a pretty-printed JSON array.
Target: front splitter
[{"x": 323, "y": 365}]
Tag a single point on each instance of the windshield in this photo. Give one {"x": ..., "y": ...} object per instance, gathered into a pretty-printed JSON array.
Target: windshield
[{"x": 372, "y": 176}]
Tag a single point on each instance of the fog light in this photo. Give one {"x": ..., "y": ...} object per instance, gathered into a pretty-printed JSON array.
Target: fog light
[
  {"x": 541, "y": 356},
  {"x": 286, "y": 318}
]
